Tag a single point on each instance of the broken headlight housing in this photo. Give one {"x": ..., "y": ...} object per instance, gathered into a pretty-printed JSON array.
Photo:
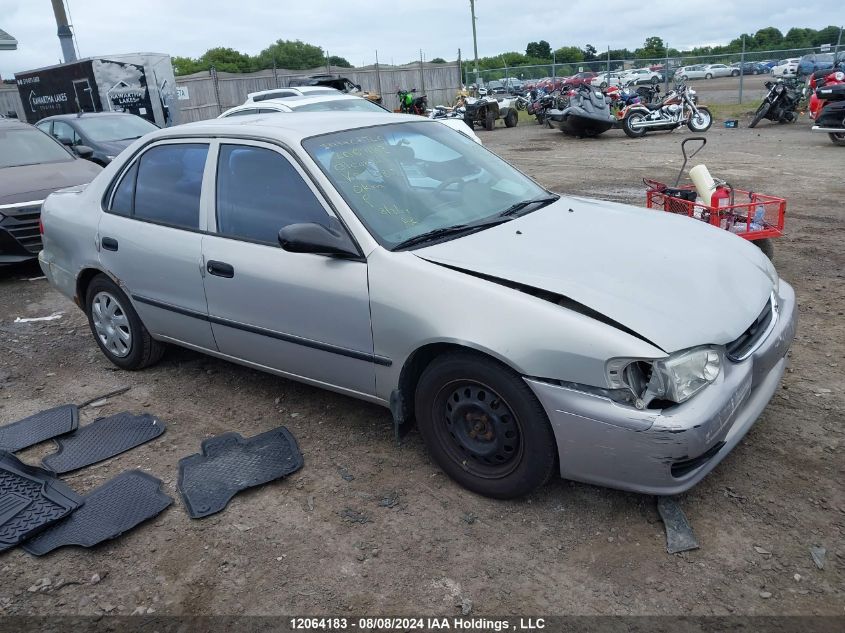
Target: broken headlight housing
[{"x": 676, "y": 378}]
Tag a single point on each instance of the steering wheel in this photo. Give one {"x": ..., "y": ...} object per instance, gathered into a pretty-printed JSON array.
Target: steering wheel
[{"x": 449, "y": 181}]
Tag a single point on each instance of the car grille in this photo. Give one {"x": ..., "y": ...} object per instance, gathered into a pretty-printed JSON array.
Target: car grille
[
  {"x": 741, "y": 348},
  {"x": 21, "y": 221}
]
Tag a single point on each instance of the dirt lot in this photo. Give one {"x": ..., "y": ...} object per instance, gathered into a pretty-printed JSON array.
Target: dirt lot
[{"x": 422, "y": 544}]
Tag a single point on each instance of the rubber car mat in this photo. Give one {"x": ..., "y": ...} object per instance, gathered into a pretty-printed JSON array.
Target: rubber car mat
[
  {"x": 117, "y": 506},
  {"x": 30, "y": 499},
  {"x": 102, "y": 439},
  {"x": 39, "y": 427},
  {"x": 229, "y": 463}
]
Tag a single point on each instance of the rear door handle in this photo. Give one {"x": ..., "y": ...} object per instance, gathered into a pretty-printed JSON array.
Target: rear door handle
[
  {"x": 109, "y": 243},
  {"x": 220, "y": 269}
]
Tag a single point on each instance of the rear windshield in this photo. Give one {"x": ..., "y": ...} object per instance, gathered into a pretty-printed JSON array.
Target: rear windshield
[
  {"x": 345, "y": 105},
  {"x": 29, "y": 147},
  {"x": 114, "y": 128}
]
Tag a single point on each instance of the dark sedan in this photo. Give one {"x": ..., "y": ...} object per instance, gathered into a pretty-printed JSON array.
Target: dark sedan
[
  {"x": 32, "y": 166},
  {"x": 107, "y": 133}
]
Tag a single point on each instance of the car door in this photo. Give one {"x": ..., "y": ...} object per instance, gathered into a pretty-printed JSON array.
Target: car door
[
  {"x": 150, "y": 239},
  {"x": 301, "y": 314}
]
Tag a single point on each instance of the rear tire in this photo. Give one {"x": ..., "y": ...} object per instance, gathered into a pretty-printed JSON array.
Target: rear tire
[
  {"x": 512, "y": 118},
  {"x": 484, "y": 427},
  {"x": 655, "y": 81},
  {"x": 767, "y": 246},
  {"x": 762, "y": 111},
  {"x": 631, "y": 131},
  {"x": 838, "y": 138},
  {"x": 708, "y": 76},
  {"x": 120, "y": 336},
  {"x": 489, "y": 121},
  {"x": 734, "y": 73}
]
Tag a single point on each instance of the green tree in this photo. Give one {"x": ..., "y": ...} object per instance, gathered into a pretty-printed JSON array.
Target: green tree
[
  {"x": 652, "y": 48},
  {"x": 334, "y": 60},
  {"x": 292, "y": 55},
  {"x": 226, "y": 60},
  {"x": 590, "y": 53},
  {"x": 570, "y": 54},
  {"x": 768, "y": 38},
  {"x": 438, "y": 60},
  {"x": 539, "y": 50},
  {"x": 184, "y": 65}
]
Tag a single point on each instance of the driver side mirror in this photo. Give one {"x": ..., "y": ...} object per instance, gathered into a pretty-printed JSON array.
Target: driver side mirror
[
  {"x": 83, "y": 151},
  {"x": 310, "y": 237}
]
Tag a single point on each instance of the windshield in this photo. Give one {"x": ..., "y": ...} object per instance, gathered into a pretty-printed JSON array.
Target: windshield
[
  {"x": 404, "y": 180},
  {"x": 114, "y": 128},
  {"x": 29, "y": 147},
  {"x": 338, "y": 105}
]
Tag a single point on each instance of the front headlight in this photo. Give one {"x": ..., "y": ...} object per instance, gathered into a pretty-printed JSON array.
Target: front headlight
[{"x": 676, "y": 378}]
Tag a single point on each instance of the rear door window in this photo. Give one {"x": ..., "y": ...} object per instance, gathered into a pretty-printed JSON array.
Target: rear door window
[{"x": 163, "y": 186}]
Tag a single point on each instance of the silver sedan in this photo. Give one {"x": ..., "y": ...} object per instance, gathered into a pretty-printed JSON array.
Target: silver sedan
[{"x": 394, "y": 260}]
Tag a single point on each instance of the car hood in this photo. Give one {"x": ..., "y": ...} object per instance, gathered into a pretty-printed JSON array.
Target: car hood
[
  {"x": 36, "y": 182},
  {"x": 675, "y": 281}
]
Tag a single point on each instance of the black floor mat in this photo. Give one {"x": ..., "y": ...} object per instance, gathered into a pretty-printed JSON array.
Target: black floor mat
[
  {"x": 30, "y": 500},
  {"x": 102, "y": 439},
  {"x": 39, "y": 427},
  {"x": 229, "y": 463},
  {"x": 112, "y": 509}
]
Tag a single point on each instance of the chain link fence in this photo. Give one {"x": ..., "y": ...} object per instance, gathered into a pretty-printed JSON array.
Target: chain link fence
[{"x": 742, "y": 81}]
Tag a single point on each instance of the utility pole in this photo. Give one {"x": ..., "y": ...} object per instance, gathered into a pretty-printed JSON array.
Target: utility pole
[
  {"x": 741, "y": 69},
  {"x": 474, "y": 41},
  {"x": 838, "y": 44},
  {"x": 65, "y": 34}
]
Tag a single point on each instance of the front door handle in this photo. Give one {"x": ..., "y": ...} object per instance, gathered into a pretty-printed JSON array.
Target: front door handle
[
  {"x": 220, "y": 269},
  {"x": 109, "y": 243}
]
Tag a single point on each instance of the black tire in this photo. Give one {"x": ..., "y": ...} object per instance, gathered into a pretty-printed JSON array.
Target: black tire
[
  {"x": 512, "y": 118},
  {"x": 143, "y": 350},
  {"x": 489, "y": 121},
  {"x": 603, "y": 85},
  {"x": 684, "y": 77},
  {"x": 837, "y": 138},
  {"x": 626, "y": 125},
  {"x": 734, "y": 73},
  {"x": 767, "y": 246},
  {"x": 695, "y": 127},
  {"x": 655, "y": 81},
  {"x": 483, "y": 426},
  {"x": 762, "y": 111},
  {"x": 470, "y": 121},
  {"x": 708, "y": 76}
]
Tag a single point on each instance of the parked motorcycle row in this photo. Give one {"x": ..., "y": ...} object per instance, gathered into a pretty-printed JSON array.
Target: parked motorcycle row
[{"x": 586, "y": 111}]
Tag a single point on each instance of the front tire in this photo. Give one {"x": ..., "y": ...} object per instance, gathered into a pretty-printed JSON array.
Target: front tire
[
  {"x": 489, "y": 121},
  {"x": 117, "y": 328},
  {"x": 629, "y": 125},
  {"x": 484, "y": 427},
  {"x": 708, "y": 76},
  {"x": 512, "y": 118},
  {"x": 762, "y": 111},
  {"x": 700, "y": 122}
]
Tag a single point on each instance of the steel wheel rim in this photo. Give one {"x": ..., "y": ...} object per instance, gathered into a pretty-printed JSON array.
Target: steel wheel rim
[
  {"x": 111, "y": 324},
  {"x": 478, "y": 429}
]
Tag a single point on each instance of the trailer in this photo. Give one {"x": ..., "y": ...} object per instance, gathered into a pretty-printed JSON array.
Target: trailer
[{"x": 138, "y": 83}]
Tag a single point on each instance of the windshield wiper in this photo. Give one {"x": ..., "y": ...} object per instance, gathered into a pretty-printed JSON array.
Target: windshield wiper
[
  {"x": 519, "y": 206},
  {"x": 446, "y": 231}
]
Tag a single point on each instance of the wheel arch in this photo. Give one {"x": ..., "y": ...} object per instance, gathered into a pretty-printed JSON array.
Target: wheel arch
[
  {"x": 83, "y": 280},
  {"x": 402, "y": 397}
]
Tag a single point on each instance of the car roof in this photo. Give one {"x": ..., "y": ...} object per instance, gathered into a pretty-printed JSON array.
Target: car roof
[
  {"x": 263, "y": 95},
  {"x": 83, "y": 115},
  {"x": 286, "y": 104},
  {"x": 291, "y": 128}
]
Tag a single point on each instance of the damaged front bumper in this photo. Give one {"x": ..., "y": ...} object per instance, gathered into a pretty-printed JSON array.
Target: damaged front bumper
[{"x": 665, "y": 452}]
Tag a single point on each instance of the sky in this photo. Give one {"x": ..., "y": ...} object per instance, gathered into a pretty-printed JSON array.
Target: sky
[{"x": 398, "y": 29}]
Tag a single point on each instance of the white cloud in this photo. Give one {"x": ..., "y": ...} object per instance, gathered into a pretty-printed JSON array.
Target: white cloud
[{"x": 398, "y": 30}]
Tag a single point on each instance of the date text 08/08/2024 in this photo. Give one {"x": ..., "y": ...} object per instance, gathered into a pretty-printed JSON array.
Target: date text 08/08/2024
[{"x": 406, "y": 624}]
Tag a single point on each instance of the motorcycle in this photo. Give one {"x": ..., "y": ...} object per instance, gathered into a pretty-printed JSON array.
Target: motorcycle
[
  {"x": 540, "y": 104},
  {"x": 411, "y": 104},
  {"x": 831, "y": 118},
  {"x": 678, "y": 108},
  {"x": 780, "y": 104},
  {"x": 586, "y": 115},
  {"x": 820, "y": 79}
]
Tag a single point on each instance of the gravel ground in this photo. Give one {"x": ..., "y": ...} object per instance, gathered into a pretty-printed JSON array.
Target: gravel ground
[{"x": 371, "y": 528}]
